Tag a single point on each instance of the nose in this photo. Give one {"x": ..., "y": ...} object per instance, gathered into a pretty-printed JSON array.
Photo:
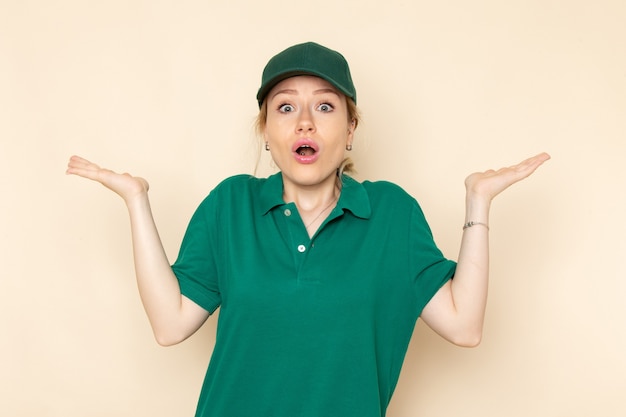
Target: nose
[{"x": 305, "y": 121}]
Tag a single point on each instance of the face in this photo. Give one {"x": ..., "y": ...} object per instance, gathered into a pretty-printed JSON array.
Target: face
[{"x": 307, "y": 129}]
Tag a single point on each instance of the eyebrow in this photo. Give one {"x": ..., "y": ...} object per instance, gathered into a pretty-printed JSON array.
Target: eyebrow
[
  {"x": 285, "y": 91},
  {"x": 295, "y": 92}
]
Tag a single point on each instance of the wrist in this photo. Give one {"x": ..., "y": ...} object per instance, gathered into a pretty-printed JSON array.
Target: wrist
[
  {"x": 477, "y": 209},
  {"x": 472, "y": 223},
  {"x": 137, "y": 201}
]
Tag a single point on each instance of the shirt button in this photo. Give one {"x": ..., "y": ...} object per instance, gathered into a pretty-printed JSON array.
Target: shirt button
[
  {"x": 301, "y": 248},
  {"x": 287, "y": 212}
]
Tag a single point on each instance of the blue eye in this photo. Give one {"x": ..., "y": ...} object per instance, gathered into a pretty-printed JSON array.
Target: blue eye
[
  {"x": 285, "y": 108},
  {"x": 325, "y": 107}
]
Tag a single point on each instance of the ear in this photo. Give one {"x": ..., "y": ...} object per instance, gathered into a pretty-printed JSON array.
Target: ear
[{"x": 351, "y": 129}]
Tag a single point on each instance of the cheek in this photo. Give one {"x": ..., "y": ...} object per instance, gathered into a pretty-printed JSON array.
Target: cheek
[
  {"x": 269, "y": 133},
  {"x": 274, "y": 127},
  {"x": 339, "y": 132},
  {"x": 337, "y": 146}
]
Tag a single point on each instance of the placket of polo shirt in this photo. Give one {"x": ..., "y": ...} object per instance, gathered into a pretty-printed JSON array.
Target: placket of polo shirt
[
  {"x": 311, "y": 266},
  {"x": 299, "y": 243},
  {"x": 298, "y": 239}
]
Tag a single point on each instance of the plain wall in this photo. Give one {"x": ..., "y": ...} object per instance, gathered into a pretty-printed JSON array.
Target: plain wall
[{"x": 165, "y": 90}]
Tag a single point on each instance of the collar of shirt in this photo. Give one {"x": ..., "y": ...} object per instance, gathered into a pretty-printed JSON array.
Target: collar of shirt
[{"x": 353, "y": 196}]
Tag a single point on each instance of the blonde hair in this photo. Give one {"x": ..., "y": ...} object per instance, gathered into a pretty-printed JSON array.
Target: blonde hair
[{"x": 354, "y": 117}]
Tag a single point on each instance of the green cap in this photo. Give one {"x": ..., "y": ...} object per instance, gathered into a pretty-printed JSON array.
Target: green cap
[{"x": 307, "y": 59}]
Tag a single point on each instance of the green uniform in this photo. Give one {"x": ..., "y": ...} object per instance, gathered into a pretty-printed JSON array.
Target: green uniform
[{"x": 308, "y": 327}]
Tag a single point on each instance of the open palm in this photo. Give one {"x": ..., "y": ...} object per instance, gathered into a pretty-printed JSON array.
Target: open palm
[
  {"x": 491, "y": 183},
  {"x": 125, "y": 185}
]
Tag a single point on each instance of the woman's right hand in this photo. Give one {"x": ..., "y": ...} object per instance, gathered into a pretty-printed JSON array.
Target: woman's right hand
[
  {"x": 125, "y": 185},
  {"x": 173, "y": 317}
]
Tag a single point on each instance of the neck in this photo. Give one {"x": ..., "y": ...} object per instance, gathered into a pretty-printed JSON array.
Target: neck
[
  {"x": 312, "y": 201},
  {"x": 313, "y": 197}
]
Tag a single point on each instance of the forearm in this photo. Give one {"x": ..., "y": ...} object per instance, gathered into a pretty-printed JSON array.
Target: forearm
[
  {"x": 470, "y": 283},
  {"x": 158, "y": 286}
]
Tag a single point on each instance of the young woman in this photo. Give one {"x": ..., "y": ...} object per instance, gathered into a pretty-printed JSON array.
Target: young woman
[{"x": 319, "y": 278}]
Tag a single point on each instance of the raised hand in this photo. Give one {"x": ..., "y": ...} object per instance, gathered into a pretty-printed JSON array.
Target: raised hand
[
  {"x": 172, "y": 316},
  {"x": 125, "y": 185},
  {"x": 490, "y": 183},
  {"x": 457, "y": 311}
]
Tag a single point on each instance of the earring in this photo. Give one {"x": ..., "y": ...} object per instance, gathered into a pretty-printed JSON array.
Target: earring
[
  {"x": 267, "y": 146},
  {"x": 349, "y": 147}
]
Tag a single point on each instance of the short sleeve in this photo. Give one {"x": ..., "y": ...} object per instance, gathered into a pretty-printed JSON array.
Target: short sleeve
[
  {"x": 429, "y": 268},
  {"x": 196, "y": 266}
]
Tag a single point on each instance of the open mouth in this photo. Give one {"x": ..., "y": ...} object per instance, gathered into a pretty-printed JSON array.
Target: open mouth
[{"x": 305, "y": 150}]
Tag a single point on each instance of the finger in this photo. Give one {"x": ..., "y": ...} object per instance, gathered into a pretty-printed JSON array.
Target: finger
[
  {"x": 78, "y": 162},
  {"x": 525, "y": 168},
  {"x": 531, "y": 162},
  {"x": 83, "y": 172},
  {"x": 528, "y": 166},
  {"x": 83, "y": 168}
]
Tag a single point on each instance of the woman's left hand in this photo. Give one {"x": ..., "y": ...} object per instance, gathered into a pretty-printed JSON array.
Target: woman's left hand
[
  {"x": 490, "y": 183},
  {"x": 457, "y": 311}
]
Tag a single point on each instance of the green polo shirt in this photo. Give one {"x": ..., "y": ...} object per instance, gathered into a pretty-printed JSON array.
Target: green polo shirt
[{"x": 308, "y": 327}]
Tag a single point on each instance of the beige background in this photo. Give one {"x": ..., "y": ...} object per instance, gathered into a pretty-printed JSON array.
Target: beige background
[{"x": 165, "y": 90}]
